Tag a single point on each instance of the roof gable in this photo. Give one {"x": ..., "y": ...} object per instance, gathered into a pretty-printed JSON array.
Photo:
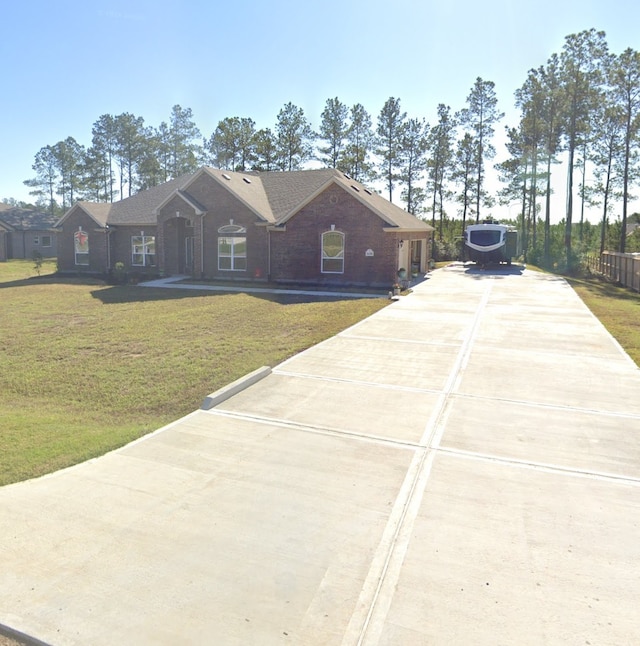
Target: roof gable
[
  {"x": 97, "y": 211},
  {"x": 387, "y": 211},
  {"x": 392, "y": 215},
  {"x": 289, "y": 191},
  {"x": 187, "y": 199},
  {"x": 247, "y": 187}
]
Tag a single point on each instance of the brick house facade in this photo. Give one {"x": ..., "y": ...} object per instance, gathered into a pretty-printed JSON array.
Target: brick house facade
[{"x": 315, "y": 227}]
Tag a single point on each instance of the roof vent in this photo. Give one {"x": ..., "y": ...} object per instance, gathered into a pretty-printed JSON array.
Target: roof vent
[
  {"x": 225, "y": 176},
  {"x": 247, "y": 180},
  {"x": 347, "y": 176},
  {"x": 355, "y": 188},
  {"x": 367, "y": 191}
]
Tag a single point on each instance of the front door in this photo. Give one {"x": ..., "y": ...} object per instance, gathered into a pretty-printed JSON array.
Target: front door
[
  {"x": 416, "y": 257},
  {"x": 188, "y": 255}
]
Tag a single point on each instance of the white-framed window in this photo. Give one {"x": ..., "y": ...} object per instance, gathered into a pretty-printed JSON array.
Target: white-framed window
[
  {"x": 81, "y": 247},
  {"x": 332, "y": 252},
  {"x": 232, "y": 248},
  {"x": 143, "y": 251},
  {"x": 46, "y": 241}
]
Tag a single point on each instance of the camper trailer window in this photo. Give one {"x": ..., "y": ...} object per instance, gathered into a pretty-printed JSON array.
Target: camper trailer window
[{"x": 486, "y": 237}]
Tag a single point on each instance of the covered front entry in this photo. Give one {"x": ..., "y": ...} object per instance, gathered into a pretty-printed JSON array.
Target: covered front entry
[
  {"x": 413, "y": 257},
  {"x": 178, "y": 246}
]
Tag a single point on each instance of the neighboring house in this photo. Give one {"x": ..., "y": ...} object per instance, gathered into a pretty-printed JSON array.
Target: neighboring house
[
  {"x": 307, "y": 227},
  {"x": 4, "y": 241},
  {"x": 632, "y": 227},
  {"x": 25, "y": 232}
]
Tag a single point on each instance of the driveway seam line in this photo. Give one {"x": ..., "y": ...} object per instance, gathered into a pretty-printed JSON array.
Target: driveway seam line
[
  {"x": 395, "y": 538},
  {"x": 541, "y": 466},
  {"x": 311, "y": 428}
]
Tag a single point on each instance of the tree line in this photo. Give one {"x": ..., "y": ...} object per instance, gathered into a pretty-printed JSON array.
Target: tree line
[
  {"x": 581, "y": 106},
  {"x": 583, "y": 103}
]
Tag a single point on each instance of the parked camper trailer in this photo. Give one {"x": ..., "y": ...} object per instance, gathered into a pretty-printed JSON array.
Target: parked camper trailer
[{"x": 491, "y": 242}]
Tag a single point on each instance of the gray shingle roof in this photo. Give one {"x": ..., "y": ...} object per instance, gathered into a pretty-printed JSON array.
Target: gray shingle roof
[
  {"x": 389, "y": 212},
  {"x": 99, "y": 211},
  {"x": 273, "y": 196},
  {"x": 287, "y": 191},
  {"x": 139, "y": 208},
  {"x": 15, "y": 217}
]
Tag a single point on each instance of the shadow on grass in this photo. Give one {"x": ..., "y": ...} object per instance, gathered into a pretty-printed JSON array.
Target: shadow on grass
[
  {"x": 600, "y": 287},
  {"x": 131, "y": 293},
  {"x": 109, "y": 294},
  {"x": 51, "y": 279}
]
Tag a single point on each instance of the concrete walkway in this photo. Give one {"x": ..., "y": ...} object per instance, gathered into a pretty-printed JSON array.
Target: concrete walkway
[
  {"x": 177, "y": 282},
  {"x": 463, "y": 467}
]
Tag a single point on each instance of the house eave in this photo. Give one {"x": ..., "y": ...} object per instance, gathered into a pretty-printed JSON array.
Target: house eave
[
  {"x": 426, "y": 229},
  {"x": 75, "y": 207},
  {"x": 187, "y": 199},
  {"x": 120, "y": 225}
]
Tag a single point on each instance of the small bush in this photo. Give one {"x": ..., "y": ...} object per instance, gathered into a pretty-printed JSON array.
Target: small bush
[{"x": 37, "y": 260}]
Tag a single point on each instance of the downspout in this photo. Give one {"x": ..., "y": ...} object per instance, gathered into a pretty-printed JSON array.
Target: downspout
[
  {"x": 106, "y": 233},
  {"x": 269, "y": 254},
  {"x": 202, "y": 245}
]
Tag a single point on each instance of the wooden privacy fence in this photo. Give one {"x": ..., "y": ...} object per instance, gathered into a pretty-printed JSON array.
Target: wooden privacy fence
[{"x": 623, "y": 268}]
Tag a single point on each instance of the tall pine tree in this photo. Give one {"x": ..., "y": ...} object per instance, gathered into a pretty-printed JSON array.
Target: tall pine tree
[
  {"x": 333, "y": 130},
  {"x": 624, "y": 81},
  {"x": 355, "y": 159},
  {"x": 390, "y": 131},
  {"x": 581, "y": 62},
  {"x": 294, "y": 137},
  {"x": 479, "y": 118}
]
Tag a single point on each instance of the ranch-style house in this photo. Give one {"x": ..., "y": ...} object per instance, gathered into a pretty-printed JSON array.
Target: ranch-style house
[
  {"x": 26, "y": 233},
  {"x": 313, "y": 227}
]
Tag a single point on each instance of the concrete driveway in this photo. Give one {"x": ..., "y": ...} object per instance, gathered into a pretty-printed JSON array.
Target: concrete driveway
[{"x": 463, "y": 467}]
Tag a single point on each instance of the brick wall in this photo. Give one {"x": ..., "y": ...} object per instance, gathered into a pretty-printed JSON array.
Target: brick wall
[
  {"x": 371, "y": 254},
  {"x": 222, "y": 208},
  {"x": 288, "y": 253},
  {"x": 121, "y": 250},
  {"x": 97, "y": 244}
]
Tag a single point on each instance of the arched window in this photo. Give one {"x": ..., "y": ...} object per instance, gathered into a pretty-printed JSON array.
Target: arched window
[
  {"x": 232, "y": 228},
  {"x": 332, "y": 252},
  {"x": 232, "y": 248},
  {"x": 81, "y": 247}
]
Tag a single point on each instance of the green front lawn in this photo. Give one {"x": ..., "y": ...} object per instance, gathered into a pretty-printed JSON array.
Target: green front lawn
[
  {"x": 87, "y": 367},
  {"x": 618, "y": 309}
]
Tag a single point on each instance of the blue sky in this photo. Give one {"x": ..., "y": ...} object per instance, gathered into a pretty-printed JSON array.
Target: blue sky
[{"x": 64, "y": 63}]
